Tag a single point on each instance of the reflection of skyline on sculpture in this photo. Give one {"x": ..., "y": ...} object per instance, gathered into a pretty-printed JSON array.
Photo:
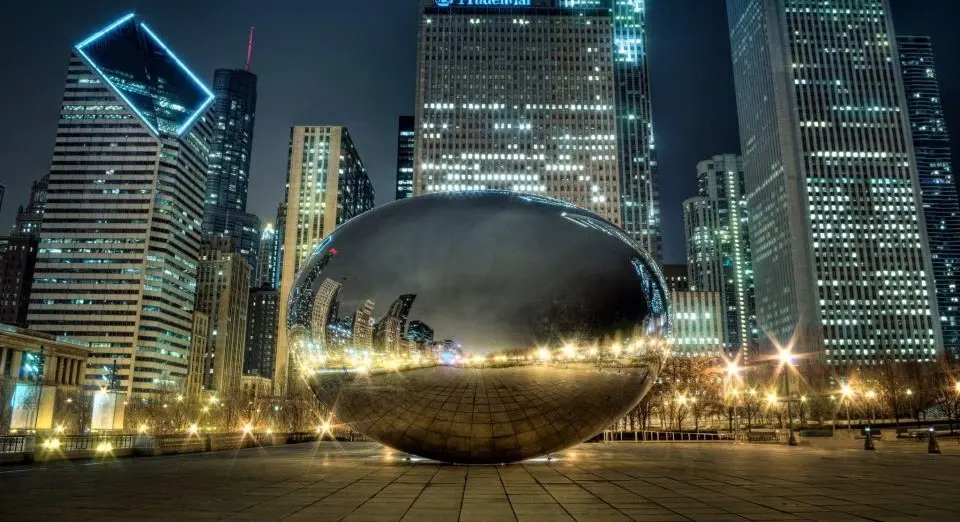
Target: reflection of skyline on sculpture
[{"x": 526, "y": 311}]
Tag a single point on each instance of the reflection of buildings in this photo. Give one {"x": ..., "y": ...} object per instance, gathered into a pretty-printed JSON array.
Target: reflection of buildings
[
  {"x": 938, "y": 184},
  {"x": 697, "y": 324},
  {"x": 550, "y": 125},
  {"x": 718, "y": 246},
  {"x": 363, "y": 326},
  {"x": 261, "y": 344},
  {"x": 840, "y": 255},
  {"x": 223, "y": 293},
  {"x": 327, "y": 185},
  {"x": 405, "y": 142},
  {"x": 389, "y": 333},
  {"x": 324, "y": 307},
  {"x": 419, "y": 332},
  {"x": 119, "y": 240}
]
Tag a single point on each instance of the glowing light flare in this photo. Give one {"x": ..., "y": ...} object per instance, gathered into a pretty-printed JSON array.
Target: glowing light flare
[
  {"x": 193, "y": 429},
  {"x": 247, "y": 429},
  {"x": 60, "y": 429},
  {"x": 543, "y": 354},
  {"x": 570, "y": 351},
  {"x": 772, "y": 398},
  {"x": 142, "y": 429},
  {"x": 51, "y": 444},
  {"x": 104, "y": 447}
]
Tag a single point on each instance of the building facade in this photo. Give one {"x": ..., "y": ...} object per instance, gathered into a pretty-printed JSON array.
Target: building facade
[
  {"x": 840, "y": 254},
  {"x": 29, "y": 217},
  {"x": 225, "y": 207},
  {"x": 269, "y": 273},
  {"x": 637, "y": 162},
  {"x": 520, "y": 99},
  {"x": 327, "y": 185},
  {"x": 718, "y": 247},
  {"x": 406, "y": 138},
  {"x": 223, "y": 293},
  {"x": 676, "y": 278},
  {"x": 120, "y": 234},
  {"x": 64, "y": 360},
  {"x": 198, "y": 350},
  {"x": 18, "y": 259},
  {"x": 261, "y": 332},
  {"x": 938, "y": 186},
  {"x": 698, "y": 329}
]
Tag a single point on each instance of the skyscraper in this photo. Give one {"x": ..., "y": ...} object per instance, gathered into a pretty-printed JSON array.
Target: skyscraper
[
  {"x": 840, "y": 256},
  {"x": 268, "y": 275},
  {"x": 327, "y": 185},
  {"x": 225, "y": 207},
  {"x": 938, "y": 186},
  {"x": 718, "y": 247},
  {"x": 636, "y": 154},
  {"x": 29, "y": 218},
  {"x": 116, "y": 265},
  {"x": 18, "y": 259},
  {"x": 363, "y": 326},
  {"x": 518, "y": 98},
  {"x": 697, "y": 324},
  {"x": 223, "y": 293},
  {"x": 261, "y": 332},
  {"x": 406, "y": 137}
]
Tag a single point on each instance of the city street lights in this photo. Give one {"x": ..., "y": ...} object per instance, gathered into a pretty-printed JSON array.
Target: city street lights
[
  {"x": 786, "y": 360},
  {"x": 871, "y": 395},
  {"x": 733, "y": 373},
  {"x": 847, "y": 393}
]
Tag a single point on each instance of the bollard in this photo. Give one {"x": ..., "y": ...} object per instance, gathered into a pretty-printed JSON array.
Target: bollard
[
  {"x": 933, "y": 446},
  {"x": 868, "y": 440}
]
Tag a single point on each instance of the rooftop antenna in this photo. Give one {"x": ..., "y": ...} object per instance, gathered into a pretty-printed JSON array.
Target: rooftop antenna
[{"x": 249, "y": 49}]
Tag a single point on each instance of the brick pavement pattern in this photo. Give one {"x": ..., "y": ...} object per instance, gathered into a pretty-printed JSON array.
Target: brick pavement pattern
[{"x": 592, "y": 482}]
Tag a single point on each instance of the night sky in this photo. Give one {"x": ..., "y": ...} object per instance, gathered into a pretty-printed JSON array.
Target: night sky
[{"x": 353, "y": 63}]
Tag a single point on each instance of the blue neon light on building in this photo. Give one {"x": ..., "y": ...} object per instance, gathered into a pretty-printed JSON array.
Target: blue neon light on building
[{"x": 147, "y": 75}]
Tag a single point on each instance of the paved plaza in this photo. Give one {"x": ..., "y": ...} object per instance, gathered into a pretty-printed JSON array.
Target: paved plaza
[{"x": 592, "y": 482}]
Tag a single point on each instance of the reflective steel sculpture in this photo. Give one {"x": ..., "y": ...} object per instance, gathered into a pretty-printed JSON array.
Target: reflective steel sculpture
[{"x": 480, "y": 327}]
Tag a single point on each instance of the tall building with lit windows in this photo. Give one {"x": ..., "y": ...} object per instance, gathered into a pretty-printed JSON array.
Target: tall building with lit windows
[
  {"x": 327, "y": 185},
  {"x": 223, "y": 293},
  {"x": 406, "y": 138},
  {"x": 118, "y": 244},
  {"x": 698, "y": 329},
  {"x": 225, "y": 205},
  {"x": 518, "y": 96},
  {"x": 718, "y": 247},
  {"x": 938, "y": 186},
  {"x": 840, "y": 253}
]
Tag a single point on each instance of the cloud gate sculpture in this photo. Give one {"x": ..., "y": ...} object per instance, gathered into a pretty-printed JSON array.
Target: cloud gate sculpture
[{"x": 480, "y": 327}]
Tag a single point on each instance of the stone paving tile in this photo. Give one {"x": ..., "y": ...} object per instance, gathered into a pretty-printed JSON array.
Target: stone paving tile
[{"x": 600, "y": 482}]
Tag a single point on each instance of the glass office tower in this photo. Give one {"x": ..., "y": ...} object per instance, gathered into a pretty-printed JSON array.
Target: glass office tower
[
  {"x": 225, "y": 206},
  {"x": 938, "y": 186},
  {"x": 840, "y": 254},
  {"x": 119, "y": 239},
  {"x": 406, "y": 133}
]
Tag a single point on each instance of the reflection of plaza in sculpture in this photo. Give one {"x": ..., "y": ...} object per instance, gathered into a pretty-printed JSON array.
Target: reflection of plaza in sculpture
[{"x": 517, "y": 325}]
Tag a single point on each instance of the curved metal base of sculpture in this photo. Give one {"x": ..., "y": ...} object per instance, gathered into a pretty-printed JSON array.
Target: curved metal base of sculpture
[{"x": 485, "y": 415}]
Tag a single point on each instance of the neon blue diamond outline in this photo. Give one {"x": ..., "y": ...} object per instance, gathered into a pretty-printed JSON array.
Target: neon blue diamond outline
[{"x": 99, "y": 34}]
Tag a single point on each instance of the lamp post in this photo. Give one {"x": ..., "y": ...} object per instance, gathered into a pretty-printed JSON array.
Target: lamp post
[
  {"x": 847, "y": 393},
  {"x": 786, "y": 360},
  {"x": 733, "y": 372}
]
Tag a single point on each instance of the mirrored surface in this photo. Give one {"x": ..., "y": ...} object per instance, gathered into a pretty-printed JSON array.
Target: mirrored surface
[{"x": 480, "y": 327}]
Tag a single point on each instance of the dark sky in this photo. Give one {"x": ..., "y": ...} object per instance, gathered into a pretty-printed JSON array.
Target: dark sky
[{"x": 352, "y": 63}]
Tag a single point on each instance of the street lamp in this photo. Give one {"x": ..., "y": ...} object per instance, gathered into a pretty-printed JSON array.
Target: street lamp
[
  {"x": 871, "y": 395},
  {"x": 733, "y": 372},
  {"x": 786, "y": 360},
  {"x": 847, "y": 393}
]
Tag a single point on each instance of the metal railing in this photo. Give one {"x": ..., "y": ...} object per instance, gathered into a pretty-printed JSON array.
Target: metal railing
[
  {"x": 664, "y": 436},
  {"x": 12, "y": 444}
]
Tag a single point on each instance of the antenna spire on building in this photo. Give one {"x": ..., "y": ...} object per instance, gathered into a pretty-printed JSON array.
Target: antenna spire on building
[{"x": 249, "y": 49}]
